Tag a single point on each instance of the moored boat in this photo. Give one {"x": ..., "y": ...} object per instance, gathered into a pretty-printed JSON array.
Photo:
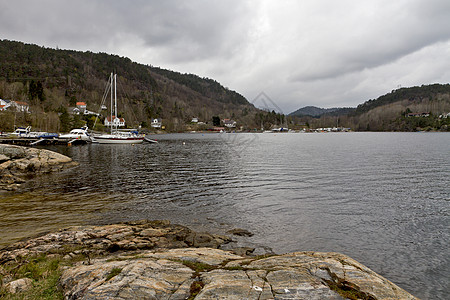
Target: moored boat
[
  {"x": 119, "y": 137},
  {"x": 78, "y": 133}
]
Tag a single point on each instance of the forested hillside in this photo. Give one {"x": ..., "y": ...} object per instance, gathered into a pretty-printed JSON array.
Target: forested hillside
[
  {"x": 405, "y": 109},
  {"x": 53, "y": 80},
  {"x": 313, "y": 111}
]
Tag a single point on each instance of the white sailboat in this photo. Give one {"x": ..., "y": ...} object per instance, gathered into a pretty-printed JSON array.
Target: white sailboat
[{"x": 117, "y": 136}]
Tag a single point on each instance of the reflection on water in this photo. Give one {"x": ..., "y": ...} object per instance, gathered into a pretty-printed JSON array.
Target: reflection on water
[{"x": 382, "y": 198}]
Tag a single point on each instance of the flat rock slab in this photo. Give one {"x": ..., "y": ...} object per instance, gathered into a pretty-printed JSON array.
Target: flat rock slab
[
  {"x": 171, "y": 274},
  {"x": 158, "y": 260},
  {"x": 114, "y": 238}
]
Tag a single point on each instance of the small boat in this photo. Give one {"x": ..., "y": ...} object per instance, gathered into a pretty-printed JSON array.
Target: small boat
[
  {"x": 21, "y": 132},
  {"x": 78, "y": 133},
  {"x": 26, "y": 133},
  {"x": 48, "y": 135},
  {"x": 130, "y": 136},
  {"x": 147, "y": 139}
]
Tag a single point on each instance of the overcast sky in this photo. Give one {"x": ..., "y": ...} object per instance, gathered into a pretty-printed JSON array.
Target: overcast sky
[{"x": 325, "y": 53}]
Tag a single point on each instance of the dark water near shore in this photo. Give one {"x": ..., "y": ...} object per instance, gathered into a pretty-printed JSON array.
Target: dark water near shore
[{"x": 381, "y": 198}]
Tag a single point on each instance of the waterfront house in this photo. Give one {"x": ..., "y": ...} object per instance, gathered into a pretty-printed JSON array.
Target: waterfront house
[
  {"x": 21, "y": 106},
  {"x": 116, "y": 122},
  {"x": 73, "y": 110},
  {"x": 229, "y": 123},
  {"x": 4, "y": 104},
  {"x": 156, "y": 123},
  {"x": 81, "y": 106}
]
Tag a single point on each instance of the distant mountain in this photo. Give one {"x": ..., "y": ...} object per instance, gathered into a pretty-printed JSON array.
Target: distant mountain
[{"x": 313, "y": 111}]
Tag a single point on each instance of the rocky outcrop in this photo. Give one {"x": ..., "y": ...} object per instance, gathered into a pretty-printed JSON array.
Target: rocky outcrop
[
  {"x": 158, "y": 260},
  {"x": 93, "y": 241},
  {"x": 18, "y": 162},
  {"x": 218, "y": 274}
]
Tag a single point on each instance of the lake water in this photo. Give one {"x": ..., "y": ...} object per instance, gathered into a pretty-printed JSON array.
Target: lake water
[{"x": 381, "y": 198}]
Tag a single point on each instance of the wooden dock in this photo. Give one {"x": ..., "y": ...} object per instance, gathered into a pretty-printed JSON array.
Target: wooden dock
[{"x": 41, "y": 142}]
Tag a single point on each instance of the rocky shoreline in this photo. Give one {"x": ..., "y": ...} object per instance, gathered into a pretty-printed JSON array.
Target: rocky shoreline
[
  {"x": 159, "y": 260},
  {"x": 16, "y": 163}
]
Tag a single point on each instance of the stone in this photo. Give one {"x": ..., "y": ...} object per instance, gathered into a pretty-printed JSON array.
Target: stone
[
  {"x": 243, "y": 251},
  {"x": 240, "y": 232},
  {"x": 17, "y": 162},
  {"x": 19, "y": 285},
  {"x": 138, "y": 279},
  {"x": 3, "y": 158}
]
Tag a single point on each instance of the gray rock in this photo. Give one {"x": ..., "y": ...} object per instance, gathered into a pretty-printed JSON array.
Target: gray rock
[
  {"x": 240, "y": 232},
  {"x": 169, "y": 274},
  {"x": 137, "y": 279},
  {"x": 17, "y": 162},
  {"x": 19, "y": 285}
]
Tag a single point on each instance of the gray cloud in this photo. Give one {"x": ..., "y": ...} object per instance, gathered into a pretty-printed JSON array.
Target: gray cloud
[{"x": 312, "y": 52}]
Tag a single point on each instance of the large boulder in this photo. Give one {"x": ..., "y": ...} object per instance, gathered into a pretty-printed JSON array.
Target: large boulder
[{"x": 18, "y": 162}]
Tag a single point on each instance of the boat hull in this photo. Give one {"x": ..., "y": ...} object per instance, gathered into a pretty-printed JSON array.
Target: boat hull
[
  {"x": 75, "y": 137},
  {"x": 118, "y": 140}
]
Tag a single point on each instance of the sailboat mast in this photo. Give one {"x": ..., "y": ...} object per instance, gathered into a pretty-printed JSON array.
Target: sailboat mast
[
  {"x": 112, "y": 112},
  {"x": 115, "y": 97}
]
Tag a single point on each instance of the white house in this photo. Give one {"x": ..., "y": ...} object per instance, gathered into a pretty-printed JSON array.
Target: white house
[
  {"x": 81, "y": 106},
  {"x": 73, "y": 110},
  {"x": 18, "y": 105},
  {"x": 156, "y": 123},
  {"x": 229, "y": 123},
  {"x": 194, "y": 120},
  {"x": 116, "y": 122},
  {"x": 4, "y": 104},
  {"x": 21, "y": 106}
]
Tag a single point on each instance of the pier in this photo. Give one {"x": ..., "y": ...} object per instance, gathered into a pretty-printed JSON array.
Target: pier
[{"x": 41, "y": 142}]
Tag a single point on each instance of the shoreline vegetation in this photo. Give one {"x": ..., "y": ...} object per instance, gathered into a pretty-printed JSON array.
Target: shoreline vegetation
[{"x": 159, "y": 260}]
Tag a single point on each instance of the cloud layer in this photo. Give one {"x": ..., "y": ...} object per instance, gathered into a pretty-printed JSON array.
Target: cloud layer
[{"x": 311, "y": 52}]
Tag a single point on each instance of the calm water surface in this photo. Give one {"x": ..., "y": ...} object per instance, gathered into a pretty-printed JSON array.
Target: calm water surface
[{"x": 381, "y": 198}]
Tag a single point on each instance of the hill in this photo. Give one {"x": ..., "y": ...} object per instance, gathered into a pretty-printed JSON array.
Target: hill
[
  {"x": 314, "y": 111},
  {"x": 53, "y": 80},
  {"x": 404, "y": 109}
]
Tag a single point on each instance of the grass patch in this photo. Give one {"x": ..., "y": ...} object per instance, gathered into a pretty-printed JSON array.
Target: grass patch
[
  {"x": 348, "y": 292},
  {"x": 197, "y": 266},
  {"x": 196, "y": 288},
  {"x": 44, "y": 272},
  {"x": 114, "y": 272},
  {"x": 235, "y": 268}
]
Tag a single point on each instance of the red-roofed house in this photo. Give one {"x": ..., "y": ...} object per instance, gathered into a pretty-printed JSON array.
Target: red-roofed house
[
  {"x": 119, "y": 122},
  {"x": 81, "y": 106},
  {"x": 21, "y": 106}
]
